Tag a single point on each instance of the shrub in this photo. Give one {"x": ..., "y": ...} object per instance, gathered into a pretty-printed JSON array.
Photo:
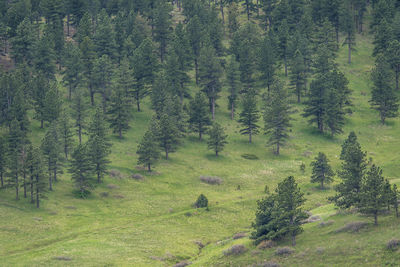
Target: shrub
[
  {"x": 104, "y": 194},
  {"x": 239, "y": 235},
  {"x": 302, "y": 167},
  {"x": 112, "y": 186},
  {"x": 266, "y": 244},
  {"x": 268, "y": 264},
  {"x": 312, "y": 219},
  {"x": 182, "y": 264},
  {"x": 393, "y": 244},
  {"x": 137, "y": 176},
  {"x": 115, "y": 174},
  {"x": 320, "y": 250},
  {"x": 249, "y": 156},
  {"x": 201, "y": 202},
  {"x": 283, "y": 251},
  {"x": 211, "y": 180},
  {"x": 235, "y": 250},
  {"x": 188, "y": 214},
  {"x": 326, "y": 223},
  {"x": 62, "y": 258},
  {"x": 119, "y": 196},
  {"x": 352, "y": 227},
  {"x": 199, "y": 243}
]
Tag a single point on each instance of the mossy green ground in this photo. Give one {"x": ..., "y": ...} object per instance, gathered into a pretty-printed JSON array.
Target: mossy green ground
[{"x": 151, "y": 222}]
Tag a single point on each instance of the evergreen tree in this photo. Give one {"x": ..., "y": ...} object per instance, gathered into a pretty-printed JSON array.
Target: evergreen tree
[
  {"x": 249, "y": 115},
  {"x": 88, "y": 57},
  {"x": 233, "y": 18},
  {"x": 395, "y": 200},
  {"x": 162, "y": 26},
  {"x": 119, "y": 111},
  {"x": 352, "y": 172},
  {"x": 393, "y": 57},
  {"x": 37, "y": 181},
  {"x": 144, "y": 66},
  {"x": 79, "y": 113},
  {"x": 217, "y": 140},
  {"x": 52, "y": 152},
  {"x": 44, "y": 59},
  {"x": 210, "y": 72},
  {"x": 347, "y": 24},
  {"x": 15, "y": 141},
  {"x": 85, "y": 28},
  {"x": 148, "y": 150},
  {"x": 199, "y": 118},
  {"x": 233, "y": 81},
  {"x": 283, "y": 43},
  {"x": 372, "y": 196},
  {"x": 73, "y": 68},
  {"x": 298, "y": 74},
  {"x": 267, "y": 62},
  {"x": 280, "y": 215},
  {"x": 66, "y": 134},
  {"x": 102, "y": 77},
  {"x": 321, "y": 170},
  {"x": 52, "y": 104},
  {"x": 82, "y": 170},
  {"x": 277, "y": 116},
  {"x": 382, "y": 38},
  {"x": 195, "y": 36},
  {"x": 98, "y": 144},
  {"x": 167, "y": 134},
  {"x": 104, "y": 36},
  {"x": 383, "y": 98},
  {"x": 23, "y": 42}
]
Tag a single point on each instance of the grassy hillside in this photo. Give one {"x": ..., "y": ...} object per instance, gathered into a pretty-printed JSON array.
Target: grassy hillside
[{"x": 151, "y": 222}]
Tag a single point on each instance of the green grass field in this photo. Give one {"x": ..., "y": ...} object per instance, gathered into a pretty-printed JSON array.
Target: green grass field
[{"x": 151, "y": 222}]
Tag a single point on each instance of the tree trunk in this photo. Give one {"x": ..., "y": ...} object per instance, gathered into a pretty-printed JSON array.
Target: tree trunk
[
  {"x": 216, "y": 153},
  {"x": 41, "y": 124},
  {"x": 137, "y": 101},
  {"x": 397, "y": 211},
  {"x": 55, "y": 172},
  {"x": 68, "y": 19},
  {"x": 91, "y": 95},
  {"x": 24, "y": 176},
  {"x": 200, "y": 134},
  {"x": 232, "y": 111},
  {"x": 293, "y": 239},
  {"x": 69, "y": 92},
  {"x": 120, "y": 133},
  {"x": 1, "y": 179},
  {"x": 80, "y": 134},
  {"x": 286, "y": 67},
  {"x": 196, "y": 68},
  {"x": 397, "y": 78},
  {"x": 213, "y": 108},
  {"x": 277, "y": 148},
  {"x": 37, "y": 197},
  {"x": 98, "y": 177},
  {"x": 149, "y": 167},
  {"x": 322, "y": 184},
  {"x": 349, "y": 52},
  {"x": 222, "y": 11},
  {"x": 250, "y": 136},
  {"x": 298, "y": 95},
  {"x": 248, "y": 9},
  {"x": 16, "y": 187},
  {"x": 166, "y": 153},
  {"x": 376, "y": 218},
  {"x": 32, "y": 199}
]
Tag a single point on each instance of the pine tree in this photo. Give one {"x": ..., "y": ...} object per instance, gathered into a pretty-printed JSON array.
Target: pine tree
[
  {"x": 347, "y": 24},
  {"x": 383, "y": 97},
  {"x": 102, "y": 77},
  {"x": 73, "y": 68},
  {"x": 88, "y": 57},
  {"x": 52, "y": 103},
  {"x": 277, "y": 116},
  {"x": 44, "y": 59},
  {"x": 148, "y": 150},
  {"x": 352, "y": 172},
  {"x": 37, "y": 181},
  {"x": 144, "y": 67},
  {"x": 393, "y": 57},
  {"x": 84, "y": 28},
  {"x": 217, "y": 140},
  {"x": 119, "y": 111},
  {"x": 280, "y": 215},
  {"x": 233, "y": 15},
  {"x": 167, "y": 134},
  {"x": 267, "y": 62},
  {"x": 66, "y": 134},
  {"x": 52, "y": 152},
  {"x": 298, "y": 74},
  {"x": 79, "y": 112},
  {"x": 98, "y": 144},
  {"x": 23, "y": 42},
  {"x": 372, "y": 197},
  {"x": 82, "y": 170},
  {"x": 199, "y": 118},
  {"x": 395, "y": 200},
  {"x": 321, "y": 170},
  {"x": 162, "y": 26},
  {"x": 210, "y": 72},
  {"x": 233, "y": 82},
  {"x": 195, "y": 36},
  {"x": 283, "y": 43},
  {"x": 383, "y": 37},
  {"x": 249, "y": 115},
  {"x": 15, "y": 141},
  {"x": 104, "y": 36}
]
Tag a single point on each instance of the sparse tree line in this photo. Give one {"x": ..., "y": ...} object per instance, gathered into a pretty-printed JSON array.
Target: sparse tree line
[
  {"x": 280, "y": 215},
  {"x": 115, "y": 54}
]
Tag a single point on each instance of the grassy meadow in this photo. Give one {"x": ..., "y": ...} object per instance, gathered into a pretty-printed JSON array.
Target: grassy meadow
[{"x": 151, "y": 222}]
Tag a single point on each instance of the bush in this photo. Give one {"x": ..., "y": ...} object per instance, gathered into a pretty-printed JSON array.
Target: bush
[
  {"x": 320, "y": 250},
  {"x": 211, "y": 180},
  {"x": 352, "y": 227},
  {"x": 239, "y": 235},
  {"x": 201, "y": 202},
  {"x": 112, "y": 186},
  {"x": 302, "y": 167},
  {"x": 62, "y": 258},
  {"x": 312, "y": 219},
  {"x": 268, "y": 264},
  {"x": 235, "y": 250},
  {"x": 283, "y": 251},
  {"x": 393, "y": 244},
  {"x": 326, "y": 223},
  {"x": 182, "y": 264},
  {"x": 266, "y": 244},
  {"x": 104, "y": 194},
  {"x": 249, "y": 156},
  {"x": 137, "y": 176},
  {"x": 119, "y": 196},
  {"x": 115, "y": 174}
]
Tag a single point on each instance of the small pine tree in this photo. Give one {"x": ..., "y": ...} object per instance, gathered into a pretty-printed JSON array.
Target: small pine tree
[
  {"x": 148, "y": 150},
  {"x": 233, "y": 81},
  {"x": 52, "y": 149},
  {"x": 167, "y": 134},
  {"x": 119, "y": 112},
  {"x": 38, "y": 182},
  {"x": 277, "y": 116},
  {"x": 14, "y": 142},
  {"x": 298, "y": 74},
  {"x": 66, "y": 134},
  {"x": 395, "y": 199},
  {"x": 372, "y": 193},
  {"x": 199, "y": 118},
  {"x": 384, "y": 98},
  {"x": 321, "y": 170},
  {"x": 217, "y": 140},
  {"x": 82, "y": 170},
  {"x": 79, "y": 107},
  {"x": 201, "y": 202},
  {"x": 267, "y": 62},
  {"x": 249, "y": 115}
]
